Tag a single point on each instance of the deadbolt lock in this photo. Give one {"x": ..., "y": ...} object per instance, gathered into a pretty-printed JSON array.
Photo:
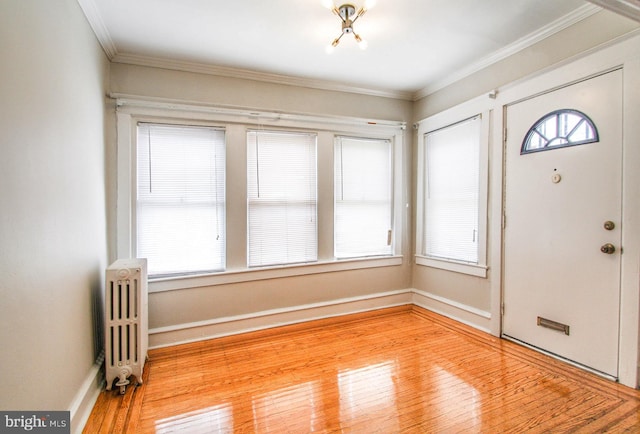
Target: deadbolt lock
[
  {"x": 608, "y": 248},
  {"x": 609, "y": 225}
]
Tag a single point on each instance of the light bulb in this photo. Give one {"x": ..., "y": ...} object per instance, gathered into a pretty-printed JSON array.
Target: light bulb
[
  {"x": 370, "y": 3},
  {"x": 362, "y": 43},
  {"x": 333, "y": 45},
  {"x": 328, "y": 4}
]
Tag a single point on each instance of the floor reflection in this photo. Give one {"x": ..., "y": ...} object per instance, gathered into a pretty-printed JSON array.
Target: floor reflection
[
  {"x": 290, "y": 409},
  {"x": 455, "y": 397},
  {"x": 369, "y": 393},
  {"x": 362, "y": 395},
  {"x": 209, "y": 420}
]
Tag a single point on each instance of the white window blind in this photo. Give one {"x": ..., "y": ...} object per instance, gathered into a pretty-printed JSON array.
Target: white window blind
[
  {"x": 281, "y": 195},
  {"x": 451, "y": 191},
  {"x": 363, "y": 197},
  {"x": 180, "y": 213}
]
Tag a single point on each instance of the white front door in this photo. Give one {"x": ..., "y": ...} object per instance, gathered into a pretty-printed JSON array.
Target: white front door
[{"x": 562, "y": 228}]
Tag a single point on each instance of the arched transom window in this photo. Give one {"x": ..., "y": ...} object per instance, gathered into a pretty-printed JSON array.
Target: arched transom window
[{"x": 559, "y": 129}]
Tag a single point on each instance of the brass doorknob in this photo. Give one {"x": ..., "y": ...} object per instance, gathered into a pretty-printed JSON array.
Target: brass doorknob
[{"x": 608, "y": 248}]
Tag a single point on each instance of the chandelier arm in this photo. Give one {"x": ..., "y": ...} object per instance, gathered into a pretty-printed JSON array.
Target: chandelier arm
[
  {"x": 359, "y": 14},
  {"x": 336, "y": 11}
]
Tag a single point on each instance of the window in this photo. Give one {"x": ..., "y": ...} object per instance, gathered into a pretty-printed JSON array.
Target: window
[
  {"x": 363, "y": 197},
  {"x": 451, "y": 202},
  {"x": 560, "y": 129},
  {"x": 281, "y": 196},
  {"x": 452, "y": 183},
  {"x": 215, "y": 196},
  {"x": 180, "y": 205}
]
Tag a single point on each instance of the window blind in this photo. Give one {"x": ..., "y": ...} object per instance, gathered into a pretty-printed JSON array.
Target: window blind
[
  {"x": 282, "y": 198},
  {"x": 452, "y": 189},
  {"x": 363, "y": 197},
  {"x": 180, "y": 212}
]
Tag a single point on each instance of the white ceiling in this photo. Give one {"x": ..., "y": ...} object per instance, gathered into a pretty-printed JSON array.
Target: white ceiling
[{"x": 415, "y": 46}]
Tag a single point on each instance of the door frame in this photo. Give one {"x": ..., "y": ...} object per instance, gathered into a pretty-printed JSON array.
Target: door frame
[{"x": 617, "y": 55}]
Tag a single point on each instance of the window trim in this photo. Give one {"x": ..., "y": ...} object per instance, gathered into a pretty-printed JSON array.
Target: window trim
[
  {"x": 478, "y": 107},
  {"x": 253, "y": 274},
  {"x": 126, "y": 194}
]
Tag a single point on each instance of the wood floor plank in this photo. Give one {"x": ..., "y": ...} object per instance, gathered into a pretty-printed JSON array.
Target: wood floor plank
[{"x": 397, "y": 370}]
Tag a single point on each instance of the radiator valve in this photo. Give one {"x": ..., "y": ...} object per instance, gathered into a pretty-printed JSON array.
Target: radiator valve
[{"x": 125, "y": 372}]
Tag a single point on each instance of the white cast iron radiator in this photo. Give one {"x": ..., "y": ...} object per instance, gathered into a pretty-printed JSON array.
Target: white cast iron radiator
[{"x": 126, "y": 321}]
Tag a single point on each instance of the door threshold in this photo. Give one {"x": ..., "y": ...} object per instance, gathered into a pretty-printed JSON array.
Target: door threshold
[{"x": 562, "y": 359}]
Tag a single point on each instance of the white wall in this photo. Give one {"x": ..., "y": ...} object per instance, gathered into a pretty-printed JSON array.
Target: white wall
[{"x": 53, "y": 78}]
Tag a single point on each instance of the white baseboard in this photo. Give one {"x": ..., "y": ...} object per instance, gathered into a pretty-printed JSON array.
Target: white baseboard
[
  {"x": 86, "y": 398},
  {"x": 468, "y": 315},
  {"x": 227, "y": 326},
  {"x": 232, "y": 325}
]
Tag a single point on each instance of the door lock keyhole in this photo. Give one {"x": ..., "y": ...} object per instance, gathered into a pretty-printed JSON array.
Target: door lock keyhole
[{"x": 609, "y": 225}]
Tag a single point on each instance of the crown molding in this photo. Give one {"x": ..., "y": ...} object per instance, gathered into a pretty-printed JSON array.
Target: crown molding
[
  {"x": 627, "y": 8},
  {"x": 527, "y": 41},
  {"x": 92, "y": 14},
  {"x": 104, "y": 38},
  {"x": 223, "y": 71}
]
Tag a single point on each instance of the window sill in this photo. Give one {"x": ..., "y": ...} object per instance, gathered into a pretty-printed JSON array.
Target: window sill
[
  {"x": 248, "y": 275},
  {"x": 458, "y": 267}
]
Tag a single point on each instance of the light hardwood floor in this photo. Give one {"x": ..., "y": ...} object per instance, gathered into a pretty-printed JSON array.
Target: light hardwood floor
[{"x": 399, "y": 370}]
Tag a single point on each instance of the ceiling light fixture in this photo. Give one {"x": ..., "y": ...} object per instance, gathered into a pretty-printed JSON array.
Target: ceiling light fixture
[{"x": 347, "y": 13}]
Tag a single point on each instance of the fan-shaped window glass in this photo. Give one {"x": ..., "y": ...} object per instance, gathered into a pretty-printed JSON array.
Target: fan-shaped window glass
[{"x": 559, "y": 129}]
